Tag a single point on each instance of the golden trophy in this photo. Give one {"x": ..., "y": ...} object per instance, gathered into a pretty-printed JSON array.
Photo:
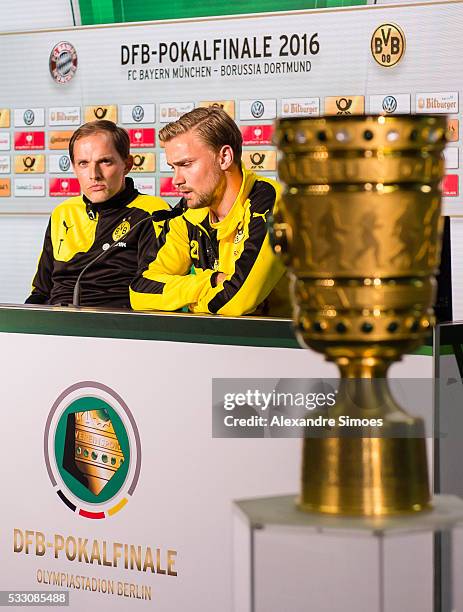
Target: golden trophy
[
  {"x": 359, "y": 230},
  {"x": 97, "y": 452}
]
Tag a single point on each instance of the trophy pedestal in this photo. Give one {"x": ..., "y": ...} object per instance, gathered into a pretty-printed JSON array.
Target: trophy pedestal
[{"x": 285, "y": 559}]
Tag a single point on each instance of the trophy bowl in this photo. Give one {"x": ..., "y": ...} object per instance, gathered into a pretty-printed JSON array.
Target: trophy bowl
[{"x": 359, "y": 230}]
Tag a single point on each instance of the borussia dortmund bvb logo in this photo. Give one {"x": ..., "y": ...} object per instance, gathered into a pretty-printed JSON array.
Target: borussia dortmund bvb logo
[
  {"x": 92, "y": 450},
  {"x": 388, "y": 44},
  {"x": 121, "y": 230}
]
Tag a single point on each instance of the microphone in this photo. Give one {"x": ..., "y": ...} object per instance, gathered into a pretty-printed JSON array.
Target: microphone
[{"x": 159, "y": 215}]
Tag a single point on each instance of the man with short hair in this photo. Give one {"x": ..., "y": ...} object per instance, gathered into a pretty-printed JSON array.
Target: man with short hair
[
  {"x": 223, "y": 232},
  {"x": 83, "y": 227}
]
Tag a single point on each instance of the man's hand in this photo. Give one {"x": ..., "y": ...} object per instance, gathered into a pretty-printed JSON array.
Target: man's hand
[{"x": 220, "y": 277}]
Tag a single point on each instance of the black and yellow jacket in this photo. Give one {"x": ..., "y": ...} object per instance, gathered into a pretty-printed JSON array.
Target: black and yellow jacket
[
  {"x": 78, "y": 231},
  {"x": 238, "y": 246}
]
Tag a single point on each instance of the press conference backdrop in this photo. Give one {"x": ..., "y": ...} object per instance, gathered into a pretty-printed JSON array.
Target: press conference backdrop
[{"x": 260, "y": 67}]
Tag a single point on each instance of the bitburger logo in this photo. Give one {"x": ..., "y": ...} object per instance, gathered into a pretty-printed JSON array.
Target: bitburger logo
[
  {"x": 63, "y": 62},
  {"x": 387, "y": 45},
  {"x": 92, "y": 450}
]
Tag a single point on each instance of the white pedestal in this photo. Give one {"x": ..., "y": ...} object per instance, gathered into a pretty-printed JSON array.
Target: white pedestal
[{"x": 287, "y": 560}]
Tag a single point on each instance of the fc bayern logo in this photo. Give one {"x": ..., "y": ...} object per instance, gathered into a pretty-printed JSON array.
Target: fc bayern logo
[
  {"x": 257, "y": 109},
  {"x": 92, "y": 450},
  {"x": 63, "y": 62},
  {"x": 389, "y": 104}
]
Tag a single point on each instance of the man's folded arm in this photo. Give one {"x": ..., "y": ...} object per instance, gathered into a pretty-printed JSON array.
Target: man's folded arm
[
  {"x": 256, "y": 273},
  {"x": 166, "y": 284},
  {"x": 42, "y": 282}
]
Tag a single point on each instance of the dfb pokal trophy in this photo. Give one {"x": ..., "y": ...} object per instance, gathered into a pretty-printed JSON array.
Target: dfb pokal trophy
[{"x": 359, "y": 230}]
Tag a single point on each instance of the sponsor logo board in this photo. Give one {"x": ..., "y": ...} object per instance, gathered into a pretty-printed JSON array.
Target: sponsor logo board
[
  {"x": 5, "y": 141},
  {"x": 108, "y": 112},
  {"x": 260, "y": 160},
  {"x": 29, "y": 117},
  {"x": 451, "y": 157},
  {"x": 257, "y": 134},
  {"x": 442, "y": 102},
  {"x": 138, "y": 113},
  {"x": 171, "y": 111},
  {"x": 390, "y": 104},
  {"x": 145, "y": 185},
  {"x": 450, "y": 186},
  {"x": 141, "y": 137},
  {"x": 29, "y": 187},
  {"x": 66, "y": 115},
  {"x": 59, "y": 139},
  {"x": 25, "y": 141},
  {"x": 258, "y": 109},
  {"x": 227, "y": 105},
  {"x": 388, "y": 45},
  {"x": 57, "y": 164},
  {"x": 453, "y": 130},
  {"x": 344, "y": 105},
  {"x": 4, "y": 117},
  {"x": 63, "y": 62},
  {"x": 163, "y": 165},
  {"x": 143, "y": 162},
  {"x": 29, "y": 164},
  {"x": 5, "y": 187},
  {"x": 5, "y": 164},
  {"x": 64, "y": 187},
  {"x": 167, "y": 188},
  {"x": 300, "y": 107}
]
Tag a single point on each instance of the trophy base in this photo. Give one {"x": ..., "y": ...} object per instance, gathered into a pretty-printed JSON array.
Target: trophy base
[{"x": 364, "y": 476}]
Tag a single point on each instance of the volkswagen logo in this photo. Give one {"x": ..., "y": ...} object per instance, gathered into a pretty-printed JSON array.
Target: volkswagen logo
[
  {"x": 138, "y": 113},
  {"x": 389, "y": 104},
  {"x": 257, "y": 109},
  {"x": 28, "y": 117},
  {"x": 64, "y": 163}
]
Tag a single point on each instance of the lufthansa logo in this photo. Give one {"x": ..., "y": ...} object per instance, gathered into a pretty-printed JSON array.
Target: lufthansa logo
[
  {"x": 64, "y": 163},
  {"x": 257, "y": 109},
  {"x": 138, "y": 113},
  {"x": 100, "y": 112},
  {"x": 389, "y": 104},
  {"x": 388, "y": 45},
  {"x": 29, "y": 117},
  {"x": 343, "y": 105},
  {"x": 121, "y": 230}
]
